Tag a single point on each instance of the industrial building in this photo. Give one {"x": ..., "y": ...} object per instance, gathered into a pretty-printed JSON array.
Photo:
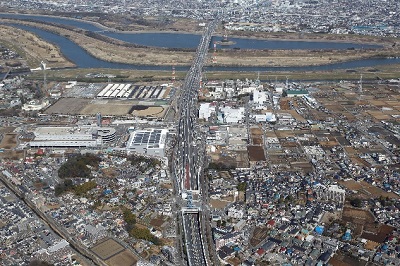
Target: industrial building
[
  {"x": 116, "y": 91},
  {"x": 125, "y": 91},
  {"x": 84, "y": 136},
  {"x": 150, "y": 142},
  {"x": 267, "y": 117},
  {"x": 295, "y": 92}
]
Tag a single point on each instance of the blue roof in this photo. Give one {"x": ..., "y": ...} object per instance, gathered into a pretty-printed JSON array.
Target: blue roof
[
  {"x": 107, "y": 191},
  {"x": 319, "y": 230}
]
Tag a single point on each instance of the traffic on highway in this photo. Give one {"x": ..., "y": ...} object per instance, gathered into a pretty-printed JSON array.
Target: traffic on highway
[{"x": 188, "y": 166}]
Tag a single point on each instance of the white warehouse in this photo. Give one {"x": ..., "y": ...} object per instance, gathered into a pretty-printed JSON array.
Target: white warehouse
[{"x": 85, "y": 136}]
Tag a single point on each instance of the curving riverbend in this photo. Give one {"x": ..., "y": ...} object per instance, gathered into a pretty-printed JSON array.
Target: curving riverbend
[{"x": 172, "y": 40}]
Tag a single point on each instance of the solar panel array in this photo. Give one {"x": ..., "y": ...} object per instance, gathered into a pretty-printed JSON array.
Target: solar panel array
[{"x": 152, "y": 139}]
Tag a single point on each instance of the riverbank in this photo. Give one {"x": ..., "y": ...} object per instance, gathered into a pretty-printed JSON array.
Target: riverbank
[
  {"x": 122, "y": 22},
  {"x": 32, "y": 49},
  {"x": 309, "y": 37},
  {"x": 127, "y": 24},
  {"x": 122, "y": 52},
  {"x": 141, "y": 76},
  {"x": 114, "y": 52}
]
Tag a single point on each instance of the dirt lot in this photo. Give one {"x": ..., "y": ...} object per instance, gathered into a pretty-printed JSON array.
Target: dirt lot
[
  {"x": 256, "y": 153},
  {"x": 328, "y": 144},
  {"x": 5, "y": 130},
  {"x": 154, "y": 111},
  {"x": 256, "y": 136},
  {"x": 306, "y": 167},
  {"x": 270, "y": 134},
  {"x": 371, "y": 245},
  {"x": 13, "y": 155},
  {"x": 242, "y": 159},
  {"x": 259, "y": 234},
  {"x": 227, "y": 158},
  {"x": 125, "y": 258},
  {"x": 296, "y": 115},
  {"x": 377, "y": 192},
  {"x": 367, "y": 189},
  {"x": 256, "y": 131},
  {"x": 234, "y": 261},
  {"x": 379, "y": 115},
  {"x": 352, "y": 214},
  {"x": 224, "y": 174},
  {"x": 157, "y": 222},
  {"x": 350, "y": 150},
  {"x": 284, "y": 133},
  {"x": 360, "y": 219},
  {"x": 284, "y": 104},
  {"x": 351, "y": 184},
  {"x": 107, "y": 249},
  {"x": 344, "y": 260},
  {"x": 111, "y": 108},
  {"x": 114, "y": 254},
  {"x": 9, "y": 141},
  {"x": 257, "y": 140},
  {"x": 219, "y": 204},
  {"x": 68, "y": 106},
  {"x": 359, "y": 161},
  {"x": 379, "y": 234},
  {"x": 105, "y": 107}
]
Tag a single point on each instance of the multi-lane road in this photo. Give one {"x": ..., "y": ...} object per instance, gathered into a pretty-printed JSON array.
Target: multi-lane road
[
  {"x": 188, "y": 114},
  {"x": 194, "y": 242},
  {"x": 188, "y": 161}
]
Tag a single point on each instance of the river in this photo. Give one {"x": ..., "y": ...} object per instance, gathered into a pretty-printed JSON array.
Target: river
[
  {"x": 84, "y": 60},
  {"x": 186, "y": 40}
]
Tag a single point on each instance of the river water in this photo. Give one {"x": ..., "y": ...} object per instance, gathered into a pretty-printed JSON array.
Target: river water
[
  {"x": 178, "y": 40},
  {"x": 182, "y": 40}
]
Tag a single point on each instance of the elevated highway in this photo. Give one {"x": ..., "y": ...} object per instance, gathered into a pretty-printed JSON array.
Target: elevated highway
[{"x": 188, "y": 158}]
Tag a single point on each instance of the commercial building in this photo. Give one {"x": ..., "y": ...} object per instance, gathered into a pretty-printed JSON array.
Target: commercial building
[
  {"x": 35, "y": 105},
  {"x": 260, "y": 98},
  {"x": 331, "y": 193},
  {"x": 231, "y": 115},
  {"x": 206, "y": 110},
  {"x": 150, "y": 142},
  {"x": 85, "y": 136}
]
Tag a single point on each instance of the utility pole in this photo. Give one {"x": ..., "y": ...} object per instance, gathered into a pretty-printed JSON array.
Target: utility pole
[{"x": 43, "y": 67}]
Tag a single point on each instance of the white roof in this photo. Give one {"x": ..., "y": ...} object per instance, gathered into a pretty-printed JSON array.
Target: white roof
[{"x": 62, "y": 244}]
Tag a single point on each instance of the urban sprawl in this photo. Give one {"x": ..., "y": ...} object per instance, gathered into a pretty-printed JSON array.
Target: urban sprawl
[
  {"x": 367, "y": 17},
  {"x": 203, "y": 171}
]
